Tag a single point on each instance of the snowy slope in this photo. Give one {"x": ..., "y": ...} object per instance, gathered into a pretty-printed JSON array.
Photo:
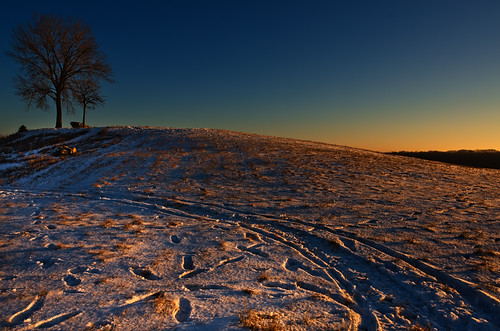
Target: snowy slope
[{"x": 154, "y": 228}]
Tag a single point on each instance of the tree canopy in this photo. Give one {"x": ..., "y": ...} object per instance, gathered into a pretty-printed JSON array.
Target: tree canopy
[
  {"x": 86, "y": 93},
  {"x": 56, "y": 55}
]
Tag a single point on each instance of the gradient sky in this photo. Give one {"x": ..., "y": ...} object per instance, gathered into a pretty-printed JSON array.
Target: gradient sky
[{"x": 382, "y": 75}]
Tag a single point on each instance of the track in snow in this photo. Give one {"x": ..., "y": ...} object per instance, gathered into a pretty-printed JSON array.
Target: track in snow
[{"x": 378, "y": 285}]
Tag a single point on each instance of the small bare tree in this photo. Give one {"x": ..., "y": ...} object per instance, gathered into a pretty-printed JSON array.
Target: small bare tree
[
  {"x": 54, "y": 55},
  {"x": 86, "y": 93}
]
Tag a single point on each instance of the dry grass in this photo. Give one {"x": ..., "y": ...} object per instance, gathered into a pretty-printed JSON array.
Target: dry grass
[
  {"x": 320, "y": 297},
  {"x": 123, "y": 246},
  {"x": 60, "y": 245},
  {"x": 263, "y": 276},
  {"x": 38, "y": 162},
  {"x": 226, "y": 245},
  {"x": 10, "y": 204},
  {"x": 129, "y": 226},
  {"x": 259, "y": 320},
  {"x": 107, "y": 223},
  {"x": 481, "y": 251},
  {"x": 412, "y": 239},
  {"x": 85, "y": 215},
  {"x": 174, "y": 224},
  {"x": 163, "y": 256},
  {"x": 468, "y": 235},
  {"x": 135, "y": 225},
  {"x": 165, "y": 304},
  {"x": 430, "y": 227},
  {"x": 485, "y": 265},
  {"x": 64, "y": 220},
  {"x": 114, "y": 281},
  {"x": 102, "y": 254},
  {"x": 104, "y": 280},
  {"x": 307, "y": 319},
  {"x": 137, "y": 222},
  {"x": 114, "y": 178},
  {"x": 101, "y": 183},
  {"x": 136, "y": 219},
  {"x": 117, "y": 154},
  {"x": 448, "y": 289},
  {"x": 418, "y": 327}
]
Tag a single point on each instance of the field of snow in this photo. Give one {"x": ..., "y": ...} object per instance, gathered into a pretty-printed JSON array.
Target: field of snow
[{"x": 196, "y": 229}]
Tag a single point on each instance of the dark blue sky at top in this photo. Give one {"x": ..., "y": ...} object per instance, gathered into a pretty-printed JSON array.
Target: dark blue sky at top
[{"x": 375, "y": 74}]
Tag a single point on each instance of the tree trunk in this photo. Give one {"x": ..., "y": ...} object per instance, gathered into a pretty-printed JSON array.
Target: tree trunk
[
  {"x": 84, "y": 108},
  {"x": 59, "y": 111}
]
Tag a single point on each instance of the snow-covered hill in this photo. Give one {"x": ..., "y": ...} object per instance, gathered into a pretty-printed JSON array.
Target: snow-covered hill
[{"x": 149, "y": 228}]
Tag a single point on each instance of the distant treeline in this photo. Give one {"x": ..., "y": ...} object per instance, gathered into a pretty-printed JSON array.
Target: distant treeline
[{"x": 478, "y": 158}]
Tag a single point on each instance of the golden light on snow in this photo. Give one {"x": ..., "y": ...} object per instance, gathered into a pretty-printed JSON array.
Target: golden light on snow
[{"x": 148, "y": 228}]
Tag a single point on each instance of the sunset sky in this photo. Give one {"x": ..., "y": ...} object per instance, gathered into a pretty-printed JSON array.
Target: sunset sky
[{"x": 381, "y": 75}]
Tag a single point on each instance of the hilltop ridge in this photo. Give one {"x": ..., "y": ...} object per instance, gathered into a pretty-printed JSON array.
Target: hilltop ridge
[{"x": 202, "y": 228}]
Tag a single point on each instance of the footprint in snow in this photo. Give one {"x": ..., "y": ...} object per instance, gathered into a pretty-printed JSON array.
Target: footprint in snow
[
  {"x": 184, "y": 311},
  {"x": 285, "y": 286},
  {"x": 82, "y": 269},
  {"x": 46, "y": 262},
  {"x": 144, "y": 273},
  {"x": 71, "y": 280},
  {"x": 104, "y": 324},
  {"x": 293, "y": 265},
  {"x": 187, "y": 262},
  {"x": 175, "y": 239},
  {"x": 252, "y": 236},
  {"x": 254, "y": 249},
  {"x": 78, "y": 270},
  {"x": 51, "y": 246}
]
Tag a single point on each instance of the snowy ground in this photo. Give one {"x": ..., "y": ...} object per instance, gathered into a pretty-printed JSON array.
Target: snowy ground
[{"x": 203, "y": 229}]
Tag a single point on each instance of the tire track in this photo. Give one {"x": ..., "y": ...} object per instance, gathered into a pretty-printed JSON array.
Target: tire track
[
  {"x": 476, "y": 297},
  {"x": 366, "y": 303},
  {"x": 339, "y": 294},
  {"x": 478, "y": 300}
]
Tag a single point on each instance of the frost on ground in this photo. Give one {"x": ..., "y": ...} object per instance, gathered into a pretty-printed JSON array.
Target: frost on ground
[{"x": 152, "y": 229}]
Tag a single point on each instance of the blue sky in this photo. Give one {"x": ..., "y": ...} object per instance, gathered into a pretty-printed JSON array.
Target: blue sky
[{"x": 382, "y": 75}]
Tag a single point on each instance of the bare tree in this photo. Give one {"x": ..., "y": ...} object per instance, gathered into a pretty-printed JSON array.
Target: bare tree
[
  {"x": 54, "y": 55},
  {"x": 86, "y": 93}
]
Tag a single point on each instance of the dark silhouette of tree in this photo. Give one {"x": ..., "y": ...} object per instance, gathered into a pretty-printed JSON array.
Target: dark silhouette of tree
[
  {"x": 488, "y": 158},
  {"x": 55, "y": 55},
  {"x": 22, "y": 129},
  {"x": 86, "y": 93}
]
